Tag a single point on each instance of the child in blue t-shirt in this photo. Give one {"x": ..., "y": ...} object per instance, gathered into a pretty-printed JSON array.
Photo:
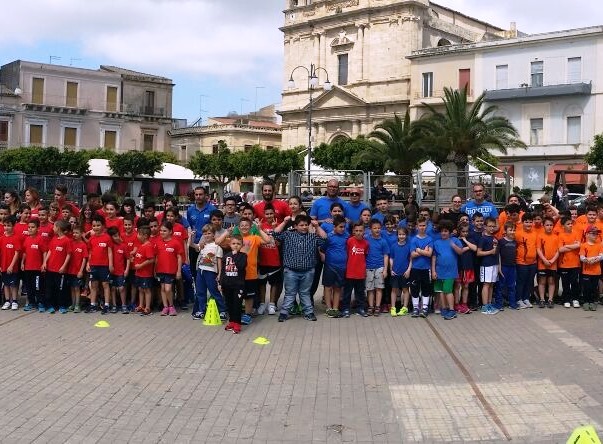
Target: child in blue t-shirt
[
  {"x": 466, "y": 269},
  {"x": 400, "y": 264},
  {"x": 336, "y": 210},
  {"x": 421, "y": 248},
  {"x": 507, "y": 250},
  {"x": 389, "y": 233},
  {"x": 487, "y": 249},
  {"x": 376, "y": 267},
  {"x": 444, "y": 268},
  {"x": 333, "y": 275}
]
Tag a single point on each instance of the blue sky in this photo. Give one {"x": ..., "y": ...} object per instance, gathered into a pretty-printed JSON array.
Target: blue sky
[{"x": 221, "y": 49}]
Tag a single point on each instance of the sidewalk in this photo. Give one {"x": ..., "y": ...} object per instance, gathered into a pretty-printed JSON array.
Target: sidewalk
[{"x": 525, "y": 376}]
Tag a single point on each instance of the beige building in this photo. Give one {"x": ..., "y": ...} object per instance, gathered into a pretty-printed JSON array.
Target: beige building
[
  {"x": 67, "y": 107},
  {"x": 238, "y": 132},
  {"x": 362, "y": 45}
]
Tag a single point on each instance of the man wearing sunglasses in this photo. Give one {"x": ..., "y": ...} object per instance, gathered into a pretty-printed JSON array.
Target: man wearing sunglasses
[
  {"x": 355, "y": 206},
  {"x": 480, "y": 204}
]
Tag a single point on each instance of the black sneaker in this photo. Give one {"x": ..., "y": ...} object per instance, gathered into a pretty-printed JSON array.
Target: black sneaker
[
  {"x": 550, "y": 304},
  {"x": 541, "y": 304},
  {"x": 282, "y": 317},
  {"x": 91, "y": 309},
  {"x": 105, "y": 309},
  {"x": 310, "y": 317},
  {"x": 113, "y": 309},
  {"x": 198, "y": 315}
]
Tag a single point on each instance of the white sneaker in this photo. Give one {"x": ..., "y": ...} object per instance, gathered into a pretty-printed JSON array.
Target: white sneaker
[
  {"x": 6, "y": 306},
  {"x": 521, "y": 304},
  {"x": 262, "y": 308},
  {"x": 14, "y": 306},
  {"x": 528, "y": 304},
  {"x": 567, "y": 305},
  {"x": 576, "y": 304},
  {"x": 271, "y": 309}
]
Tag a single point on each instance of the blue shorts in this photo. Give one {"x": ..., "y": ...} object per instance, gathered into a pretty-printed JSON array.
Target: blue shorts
[
  {"x": 144, "y": 282},
  {"x": 99, "y": 273},
  {"x": 399, "y": 281},
  {"x": 117, "y": 281},
  {"x": 333, "y": 277},
  {"x": 166, "y": 278},
  {"x": 10, "y": 279},
  {"x": 73, "y": 281}
]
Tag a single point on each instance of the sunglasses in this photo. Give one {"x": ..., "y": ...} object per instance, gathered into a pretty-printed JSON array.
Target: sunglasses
[{"x": 354, "y": 194}]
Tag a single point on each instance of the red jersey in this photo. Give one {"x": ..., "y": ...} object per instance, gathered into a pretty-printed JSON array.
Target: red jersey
[
  {"x": 131, "y": 240},
  {"x": 33, "y": 249},
  {"x": 144, "y": 253},
  {"x": 154, "y": 239},
  {"x": 180, "y": 233},
  {"x": 281, "y": 209},
  {"x": 79, "y": 252},
  {"x": 58, "y": 249},
  {"x": 72, "y": 207},
  {"x": 167, "y": 256},
  {"x": 115, "y": 222},
  {"x": 357, "y": 252},
  {"x": 99, "y": 250},
  {"x": 120, "y": 258},
  {"x": 9, "y": 247},
  {"x": 269, "y": 253},
  {"x": 21, "y": 230},
  {"x": 46, "y": 231}
]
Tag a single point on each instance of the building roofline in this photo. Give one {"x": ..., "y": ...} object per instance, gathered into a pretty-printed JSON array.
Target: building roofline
[
  {"x": 496, "y": 28},
  {"x": 533, "y": 38},
  {"x": 135, "y": 75}
]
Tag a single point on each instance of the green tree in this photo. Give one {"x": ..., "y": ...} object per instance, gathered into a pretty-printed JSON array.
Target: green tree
[
  {"x": 221, "y": 168},
  {"x": 271, "y": 164},
  {"x": 395, "y": 146},
  {"x": 36, "y": 160},
  {"x": 136, "y": 163},
  {"x": 594, "y": 156},
  {"x": 463, "y": 131},
  {"x": 345, "y": 155}
]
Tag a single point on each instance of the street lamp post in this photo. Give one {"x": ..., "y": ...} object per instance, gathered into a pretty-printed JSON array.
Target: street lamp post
[{"x": 312, "y": 83}]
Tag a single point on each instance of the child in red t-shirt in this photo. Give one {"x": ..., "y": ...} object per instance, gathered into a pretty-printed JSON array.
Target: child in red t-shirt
[
  {"x": 111, "y": 217},
  {"x": 10, "y": 250},
  {"x": 170, "y": 256},
  {"x": 143, "y": 261},
  {"x": 130, "y": 238},
  {"x": 55, "y": 265},
  {"x": 46, "y": 228},
  {"x": 100, "y": 263},
  {"x": 270, "y": 270},
  {"x": 117, "y": 280},
  {"x": 22, "y": 227},
  {"x": 32, "y": 257},
  {"x": 355, "y": 273},
  {"x": 77, "y": 266}
]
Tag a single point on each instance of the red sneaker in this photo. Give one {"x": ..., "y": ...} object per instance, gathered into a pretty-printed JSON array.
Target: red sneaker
[
  {"x": 229, "y": 326},
  {"x": 165, "y": 311},
  {"x": 172, "y": 311},
  {"x": 236, "y": 328},
  {"x": 464, "y": 309}
]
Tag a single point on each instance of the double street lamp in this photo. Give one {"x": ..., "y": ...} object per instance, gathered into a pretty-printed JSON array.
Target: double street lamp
[{"x": 312, "y": 83}]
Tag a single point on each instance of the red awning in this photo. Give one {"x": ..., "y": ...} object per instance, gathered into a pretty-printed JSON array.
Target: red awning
[{"x": 570, "y": 179}]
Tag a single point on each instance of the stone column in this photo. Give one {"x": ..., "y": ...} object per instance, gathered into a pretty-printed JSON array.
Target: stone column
[
  {"x": 321, "y": 133},
  {"x": 322, "y": 61},
  {"x": 360, "y": 52},
  {"x": 355, "y": 128},
  {"x": 366, "y": 52}
]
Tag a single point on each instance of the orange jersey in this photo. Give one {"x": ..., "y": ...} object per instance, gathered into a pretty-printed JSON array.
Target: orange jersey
[
  {"x": 526, "y": 247},
  {"x": 569, "y": 259},
  {"x": 548, "y": 244},
  {"x": 591, "y": 250},
  {"x": 252, "y": 244}
]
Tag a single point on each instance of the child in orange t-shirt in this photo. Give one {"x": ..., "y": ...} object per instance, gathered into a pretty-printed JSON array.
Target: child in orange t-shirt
[
  {"x": 591, "y": 254},
  {"x": 548, "y": 252},
  {"x": 569, "y": 262},
  {"x": 526, "y": 240}
]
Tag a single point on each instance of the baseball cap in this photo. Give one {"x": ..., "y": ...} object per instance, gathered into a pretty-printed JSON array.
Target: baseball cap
[{"x": 592, "y": 229}]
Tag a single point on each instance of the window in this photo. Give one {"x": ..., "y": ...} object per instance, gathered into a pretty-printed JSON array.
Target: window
[
  {"x": 71, "y": 97},
  {"x": 69, "y": 137},
  {"x": 427, "y": 84},
  {"x": 465, "y": 80},
  {"x": 248, "y": 148},
  {"x": 36, "y": 134},
  {"x": 37, "y": 91},
  {"x": 536, "y": 126},
  {"x": 110, "y": 141},
  {"x": 574, "y": 129},
  {"x": 112, "y": 98},
  {"x": 269, "y": 148},
  {"x": 215, "y": 148},
  {"x": 148, "y": 142},
  {"x": 342, "y": 60},
  {"x": 182, "y": 153},
  {"x": 537, "y": 74},
  {"x": 149, "y": 102},
  {"x": 3, "y": 132},
  {"x": 574, "y": 70},
  {"x": 502, "y": 76}
]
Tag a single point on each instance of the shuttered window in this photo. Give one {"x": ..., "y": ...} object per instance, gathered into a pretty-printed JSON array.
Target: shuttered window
[
  {"x": 574, "y": 70},
  {"x": 465, "y": 80},
  {"x": 574, "y": 129},
  {"x": 502, "y": 76},
  {"x": 3, "y": 131},
  {"x": 69, "y": 137},
  {"x": 110, "y": 140},
  {"x": 111, "y": 98},
  {"x": 148, "y": 142},
  {"x": 71, "y": 95},
  {"x": 37, "y": 91},
  {"x": 36, "y": 134}
]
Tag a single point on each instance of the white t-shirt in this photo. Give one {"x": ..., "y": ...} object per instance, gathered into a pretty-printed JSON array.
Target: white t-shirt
[{"x": 209, "y": 256}]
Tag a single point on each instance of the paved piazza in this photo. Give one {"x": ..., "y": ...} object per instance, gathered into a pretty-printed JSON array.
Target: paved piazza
[{"x": 526, "y": 376}]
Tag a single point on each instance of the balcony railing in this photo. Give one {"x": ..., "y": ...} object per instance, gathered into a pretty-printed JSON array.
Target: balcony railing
[{"x": 526, "y": 91}]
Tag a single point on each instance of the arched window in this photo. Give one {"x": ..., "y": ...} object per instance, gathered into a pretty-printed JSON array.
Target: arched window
[{"x": 444, "y": 42}]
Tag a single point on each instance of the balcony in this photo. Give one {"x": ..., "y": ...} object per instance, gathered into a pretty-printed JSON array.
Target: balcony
[
  {"x": 529, "y": 92},
  {"x": 141, "y": 110}
]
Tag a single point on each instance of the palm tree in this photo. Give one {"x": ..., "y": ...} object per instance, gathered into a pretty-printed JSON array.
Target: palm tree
[{"x": 462, "y": 131}]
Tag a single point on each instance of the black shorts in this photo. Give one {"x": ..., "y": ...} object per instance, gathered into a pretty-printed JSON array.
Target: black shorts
[
  {"x": 272, "y": 275},
  {"x": 547, "y": 273},
  {"x": 399, "y": 281},
  {"x": 333, "y": 277},
  {"x": 251, "y": 289}
]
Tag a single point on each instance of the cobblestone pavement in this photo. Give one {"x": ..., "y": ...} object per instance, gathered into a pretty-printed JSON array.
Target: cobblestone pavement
[{"x": 524, "y": 376}]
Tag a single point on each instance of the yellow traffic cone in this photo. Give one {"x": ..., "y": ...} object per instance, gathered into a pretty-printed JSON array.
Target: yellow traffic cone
[{"x": 212, "y": 315}]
